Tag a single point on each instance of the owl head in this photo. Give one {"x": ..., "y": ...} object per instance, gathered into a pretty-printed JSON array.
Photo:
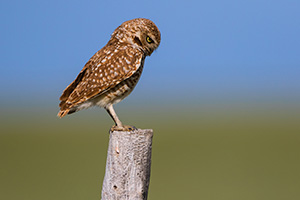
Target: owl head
[{"x": 141, "y": 33}]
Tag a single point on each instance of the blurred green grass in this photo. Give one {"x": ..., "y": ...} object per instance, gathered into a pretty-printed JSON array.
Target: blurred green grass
[{"x": 228, "y": 152}]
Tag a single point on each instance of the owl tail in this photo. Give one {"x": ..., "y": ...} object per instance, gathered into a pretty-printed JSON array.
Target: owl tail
[{"x": 63, "y": 113}]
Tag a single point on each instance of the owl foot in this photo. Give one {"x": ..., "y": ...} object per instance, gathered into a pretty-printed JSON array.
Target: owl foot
[{"x": 123, "y": 128}]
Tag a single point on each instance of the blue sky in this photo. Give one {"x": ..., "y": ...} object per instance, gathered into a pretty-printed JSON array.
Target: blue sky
[{"x": 209, "y": 49}]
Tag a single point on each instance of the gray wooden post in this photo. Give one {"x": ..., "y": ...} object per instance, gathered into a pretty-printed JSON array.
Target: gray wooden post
[{"x": 127, "y": 172}]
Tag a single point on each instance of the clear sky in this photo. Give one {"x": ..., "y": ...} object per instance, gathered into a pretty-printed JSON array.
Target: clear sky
[{"x": 209, "y": 49}]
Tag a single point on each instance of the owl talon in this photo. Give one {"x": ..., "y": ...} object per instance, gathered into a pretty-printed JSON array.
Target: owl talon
[{"x": 123, "y": 128}]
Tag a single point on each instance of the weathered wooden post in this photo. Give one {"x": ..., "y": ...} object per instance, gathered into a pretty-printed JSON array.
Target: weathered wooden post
[{"x": 127, "y": 173}]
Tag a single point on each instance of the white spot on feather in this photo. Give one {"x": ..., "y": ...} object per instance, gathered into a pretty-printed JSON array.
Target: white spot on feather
[
  {"x": 126, "y": 70},
  {"x": 127, "y": 61}
]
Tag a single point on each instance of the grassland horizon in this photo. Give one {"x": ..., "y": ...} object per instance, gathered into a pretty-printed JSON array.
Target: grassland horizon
[{"x": 230, "y": 151}]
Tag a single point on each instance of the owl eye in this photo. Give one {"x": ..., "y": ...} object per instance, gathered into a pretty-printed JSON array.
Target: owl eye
[{"x": 149, "y": 40}]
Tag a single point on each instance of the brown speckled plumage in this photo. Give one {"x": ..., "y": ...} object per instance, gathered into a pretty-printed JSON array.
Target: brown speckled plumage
[{"x": 112, "y": 73}]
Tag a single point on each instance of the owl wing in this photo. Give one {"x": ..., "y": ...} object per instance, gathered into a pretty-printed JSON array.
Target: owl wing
[{"x": 107, "y": 68}]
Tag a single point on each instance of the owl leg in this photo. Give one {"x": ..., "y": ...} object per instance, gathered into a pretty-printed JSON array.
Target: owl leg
[
  {"x": 112, "y": 113},
  {"x": 119, "y": 126}
]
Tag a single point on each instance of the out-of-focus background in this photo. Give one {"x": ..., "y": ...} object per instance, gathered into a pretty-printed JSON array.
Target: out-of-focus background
[{"x": 221, "y": 93}]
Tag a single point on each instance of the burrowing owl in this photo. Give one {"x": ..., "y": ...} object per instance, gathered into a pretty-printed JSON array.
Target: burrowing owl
[{"x": 112, "y": 73}]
